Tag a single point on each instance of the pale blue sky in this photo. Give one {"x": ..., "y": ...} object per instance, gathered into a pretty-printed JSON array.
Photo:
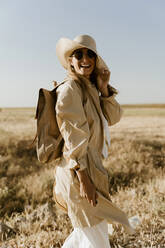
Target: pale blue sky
[{"x": 130, "y": 36}]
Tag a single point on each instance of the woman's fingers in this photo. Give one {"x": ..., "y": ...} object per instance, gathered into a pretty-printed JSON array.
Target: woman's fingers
[
  {"x": 92, "y": 201},
  {"x": 82, "y": 192},
  {"x": 105, "y": 74},
  {"x": 87, "y": 188}
]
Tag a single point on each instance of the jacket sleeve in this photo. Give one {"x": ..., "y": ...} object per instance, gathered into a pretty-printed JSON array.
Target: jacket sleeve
[
  {"x": 73, "y": 124},
  {"x": 111, "y": 108}
]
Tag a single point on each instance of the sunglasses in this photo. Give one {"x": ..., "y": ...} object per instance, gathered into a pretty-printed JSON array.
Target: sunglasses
[{"x": 78, "y": 54}]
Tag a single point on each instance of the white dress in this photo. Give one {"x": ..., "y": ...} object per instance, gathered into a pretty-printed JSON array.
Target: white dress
[{"x": 89, "y": 237}]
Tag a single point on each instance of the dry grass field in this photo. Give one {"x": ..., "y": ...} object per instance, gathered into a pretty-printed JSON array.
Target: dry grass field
[{"x": 136, "y": 165}]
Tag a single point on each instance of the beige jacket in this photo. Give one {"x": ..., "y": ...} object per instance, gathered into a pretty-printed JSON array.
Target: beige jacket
[{"x": 79, "y": 116}]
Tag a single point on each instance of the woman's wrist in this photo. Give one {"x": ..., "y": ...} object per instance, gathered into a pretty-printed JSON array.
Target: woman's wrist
[{"x": 107, "y": 92}]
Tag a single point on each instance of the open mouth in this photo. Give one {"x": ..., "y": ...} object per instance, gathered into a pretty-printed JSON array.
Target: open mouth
[{"x": 85, "y": 66}]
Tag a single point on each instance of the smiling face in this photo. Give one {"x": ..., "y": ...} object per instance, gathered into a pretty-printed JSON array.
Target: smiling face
[{"x": 83, "y": 60}]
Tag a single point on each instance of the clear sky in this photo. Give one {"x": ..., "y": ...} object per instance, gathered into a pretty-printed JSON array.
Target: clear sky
[{"x": 130, "y": 36}]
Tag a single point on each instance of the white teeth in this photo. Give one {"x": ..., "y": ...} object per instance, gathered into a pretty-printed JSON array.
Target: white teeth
[{"x": 86, "y": 66}]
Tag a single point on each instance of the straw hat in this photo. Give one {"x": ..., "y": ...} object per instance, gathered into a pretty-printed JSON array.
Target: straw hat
[{"x": 65, "y": 47}]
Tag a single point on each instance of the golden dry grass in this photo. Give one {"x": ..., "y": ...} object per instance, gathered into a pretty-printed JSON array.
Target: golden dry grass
[{"x": 136, "y": 166}]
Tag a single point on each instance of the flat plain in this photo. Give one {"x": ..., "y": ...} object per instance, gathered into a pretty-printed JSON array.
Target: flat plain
[{"x": 136, "y": 166}]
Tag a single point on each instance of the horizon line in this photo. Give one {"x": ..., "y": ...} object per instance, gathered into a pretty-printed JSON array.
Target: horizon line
[{"x": 149, "y": 105}]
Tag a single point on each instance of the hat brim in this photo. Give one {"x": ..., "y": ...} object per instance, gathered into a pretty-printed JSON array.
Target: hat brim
[{"x": 65, "y": 47}]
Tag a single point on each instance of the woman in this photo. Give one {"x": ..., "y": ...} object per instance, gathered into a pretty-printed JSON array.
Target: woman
[{"x": 85, "y": 104}]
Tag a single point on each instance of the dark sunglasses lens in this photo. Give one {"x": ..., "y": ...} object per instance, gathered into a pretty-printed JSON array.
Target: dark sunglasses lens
[
  {"x": 91, "y": 54},
  {"x": 78, "y": 54}
]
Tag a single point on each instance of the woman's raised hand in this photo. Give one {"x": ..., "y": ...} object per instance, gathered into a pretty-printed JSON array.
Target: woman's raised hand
[{"x": 102, "y": 81}]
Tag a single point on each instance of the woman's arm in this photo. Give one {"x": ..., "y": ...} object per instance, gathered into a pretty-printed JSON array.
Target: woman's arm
[{"x": 110, "y": 107}]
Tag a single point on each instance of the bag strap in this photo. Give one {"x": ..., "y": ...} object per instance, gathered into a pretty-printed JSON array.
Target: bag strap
[{"x": 83, "y": 89}]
